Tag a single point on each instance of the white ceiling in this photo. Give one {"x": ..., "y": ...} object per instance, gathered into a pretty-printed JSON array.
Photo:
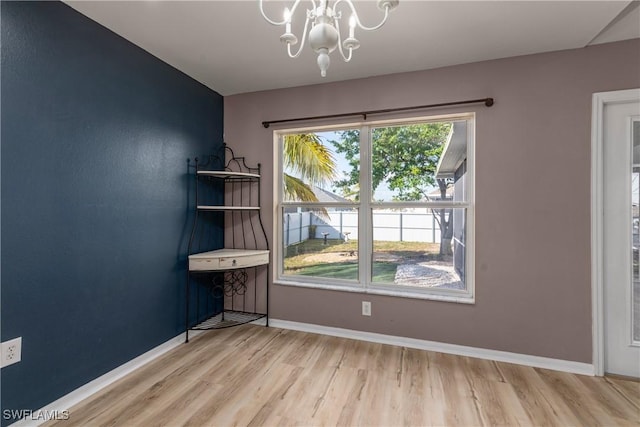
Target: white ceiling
[{"x": 229, "y": 47}]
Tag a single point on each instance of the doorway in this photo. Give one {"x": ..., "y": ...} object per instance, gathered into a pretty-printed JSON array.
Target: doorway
[{"x": 615, "y": 232}]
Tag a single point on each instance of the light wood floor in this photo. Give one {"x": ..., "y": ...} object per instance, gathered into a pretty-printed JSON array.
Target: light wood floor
[{"x": 258, "y": 376}]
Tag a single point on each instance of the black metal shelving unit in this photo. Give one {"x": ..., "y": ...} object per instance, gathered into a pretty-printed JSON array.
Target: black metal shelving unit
[{"x": 226, "y": 286}]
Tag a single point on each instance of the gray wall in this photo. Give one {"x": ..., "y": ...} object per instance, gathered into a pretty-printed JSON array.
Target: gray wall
[{"x": 533, "y": 283}]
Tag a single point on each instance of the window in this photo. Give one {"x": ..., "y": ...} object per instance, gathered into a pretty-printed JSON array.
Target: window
[{"x": 380, "y": 208}]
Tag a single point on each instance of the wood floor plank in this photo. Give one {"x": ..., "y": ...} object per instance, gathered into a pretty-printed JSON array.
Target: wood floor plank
[
  {"x": 629, "y": 389},
  {"x": 245, "y": 373},
  {"x": 461, "y": 404},
  {"x": 375, "y": 405},
  {"x": 265, "y": 399},
  {"x": 530, "y": 390},
  {"x": 569, "y": 389},
  {"x": 614, "y": 403},
  {"x": 305, "y": 353},
  {"x": 433, "y": 393},
  {"x": 498, "y": 404},
  {"x": 256, "y": 376},
  {"x": 116, "y": 395},
  {"x": 181, "y": 408},
  {"x": 413, "y": 386},
  {"x": 337, "y": 405},
  {"x": 160, "y": 393}
]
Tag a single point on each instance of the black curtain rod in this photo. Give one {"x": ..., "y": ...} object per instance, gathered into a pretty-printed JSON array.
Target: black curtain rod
[{"x": 487, "y": 101}]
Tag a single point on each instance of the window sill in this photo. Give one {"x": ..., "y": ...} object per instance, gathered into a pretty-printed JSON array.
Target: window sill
[{"x": 461, "y": 299}]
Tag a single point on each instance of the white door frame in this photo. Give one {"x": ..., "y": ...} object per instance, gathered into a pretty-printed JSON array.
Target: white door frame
[{"x": 600, "y": 99}]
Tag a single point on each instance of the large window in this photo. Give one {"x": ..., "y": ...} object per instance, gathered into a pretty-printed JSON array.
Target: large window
[{"x": 381, "y": 208}]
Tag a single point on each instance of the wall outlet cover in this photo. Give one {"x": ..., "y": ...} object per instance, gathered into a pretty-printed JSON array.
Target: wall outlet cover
[
  {"x": 366, "y": 308},
  {"x": 11, "y": 352}
]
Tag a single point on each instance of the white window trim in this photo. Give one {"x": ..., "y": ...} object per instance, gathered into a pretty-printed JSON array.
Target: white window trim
[{"x": 364, "y": 221}]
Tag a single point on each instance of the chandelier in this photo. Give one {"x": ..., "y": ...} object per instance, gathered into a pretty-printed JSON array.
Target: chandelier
[{"x": 324, "y": 36}]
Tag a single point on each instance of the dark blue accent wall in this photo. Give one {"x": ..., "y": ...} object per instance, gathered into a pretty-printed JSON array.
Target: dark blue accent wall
[{"x": 95, "y": 137}]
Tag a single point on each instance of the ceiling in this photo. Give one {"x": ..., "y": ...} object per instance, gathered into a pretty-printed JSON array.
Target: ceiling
[{"x": 229, "y": 47}]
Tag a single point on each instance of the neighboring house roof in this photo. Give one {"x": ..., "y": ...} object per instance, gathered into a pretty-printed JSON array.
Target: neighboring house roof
[
  {"x": 327, "y": 196},
  {"x": 435, "y": 194},
  {"x": 454, "y": 152},
  {"x": 322, "y": 195}
]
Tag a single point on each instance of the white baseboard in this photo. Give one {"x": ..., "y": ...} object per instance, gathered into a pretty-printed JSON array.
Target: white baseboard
[
  {"x": 79, "y": 394},
  {"x": 460, "y": 350},
  {"x": 261, "y": 322}
]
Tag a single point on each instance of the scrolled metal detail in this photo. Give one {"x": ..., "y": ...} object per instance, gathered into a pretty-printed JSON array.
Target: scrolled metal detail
[{"x": 235, "y": 282}]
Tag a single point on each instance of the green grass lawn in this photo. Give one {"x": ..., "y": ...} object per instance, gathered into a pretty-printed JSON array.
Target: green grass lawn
[
  {"x": 382, "y": 271},
  {"x": 341, "y": 261},
  {"x": 336, "y": 270},
  {"x": 313, "y": 246}
]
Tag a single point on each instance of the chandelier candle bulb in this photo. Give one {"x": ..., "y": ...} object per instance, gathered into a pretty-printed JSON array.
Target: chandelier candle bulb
[
  {"x": 287, "y": 20},
  {"x": 352, "y": 26},
  {"x": 324, "y": 35}
]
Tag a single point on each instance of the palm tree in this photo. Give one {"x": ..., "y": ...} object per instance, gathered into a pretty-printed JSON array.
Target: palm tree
[{"x": 310, "y": 162}]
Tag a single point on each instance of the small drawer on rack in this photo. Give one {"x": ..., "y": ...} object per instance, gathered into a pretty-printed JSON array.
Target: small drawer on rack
[
  {"x": 230, "y": 262},
  {"x": 226, "y": 259},
  {"x": 204, "y": 264},
  {"x": 244, "y": 261}
]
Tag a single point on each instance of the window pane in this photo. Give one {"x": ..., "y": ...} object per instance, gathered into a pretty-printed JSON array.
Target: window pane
[
  {"x": 423, "y": 248},
  {"x": 320, "y": 243},
  {"x": 321, "y": 167},
  {"x": 419, "y": 162}
]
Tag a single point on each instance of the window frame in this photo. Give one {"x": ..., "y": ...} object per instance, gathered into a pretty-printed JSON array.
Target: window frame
[{"x": 365, "y": 207}]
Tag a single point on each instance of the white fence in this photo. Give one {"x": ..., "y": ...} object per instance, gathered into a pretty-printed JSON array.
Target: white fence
[{"x": 387, "y": 226}]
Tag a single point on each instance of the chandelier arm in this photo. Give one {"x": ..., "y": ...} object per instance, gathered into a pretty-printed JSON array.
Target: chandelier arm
[
  {"x": 344, "y": 57},
  {"x": 304, "y": 38},
  {"x": 295, "y": 6},
  {"x": 284, "y": 21},
  {"x": 355, "y": 14}
]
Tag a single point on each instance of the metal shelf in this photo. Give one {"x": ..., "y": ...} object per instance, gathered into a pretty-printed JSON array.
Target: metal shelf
[
  {"x": 228, "y": 208},
  {"x": 227, "y": 287},
  {"x": 227, "y": 319},
  {"x": 228, "y": 174}
]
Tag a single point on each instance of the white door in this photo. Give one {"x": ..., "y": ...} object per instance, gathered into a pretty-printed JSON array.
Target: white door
[{"x": 621, "y": 241}]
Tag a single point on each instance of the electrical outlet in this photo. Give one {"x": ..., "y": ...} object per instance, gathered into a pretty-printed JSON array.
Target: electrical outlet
[
  {"x": 11, "y": 352},
  {"x": 366, "y": 308}
]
